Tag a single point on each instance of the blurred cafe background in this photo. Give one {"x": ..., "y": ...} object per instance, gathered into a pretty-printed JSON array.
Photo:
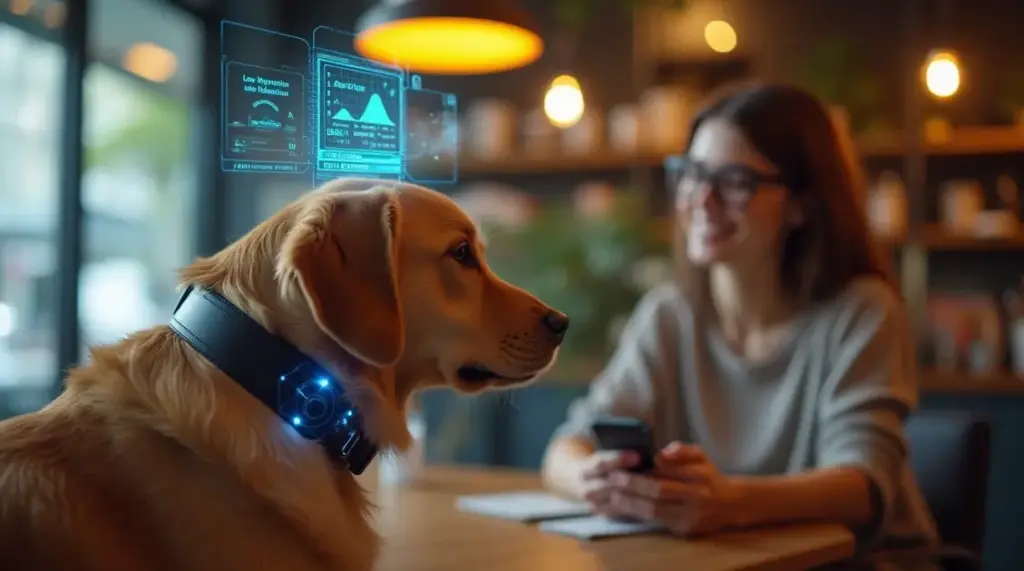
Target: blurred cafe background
[{"x": 110, "y": 180}]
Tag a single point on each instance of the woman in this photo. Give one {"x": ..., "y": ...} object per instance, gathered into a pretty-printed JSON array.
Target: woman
[{"x": 777, "y": 373}]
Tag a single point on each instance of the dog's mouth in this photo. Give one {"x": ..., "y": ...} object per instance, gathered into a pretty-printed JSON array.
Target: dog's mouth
[{"x": 475, "y": 373}]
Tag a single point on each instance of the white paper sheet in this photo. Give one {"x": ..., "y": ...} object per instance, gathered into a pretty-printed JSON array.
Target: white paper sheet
[
  {"x": 528, "y": 506},
  {"x": 598, "y": 527}
]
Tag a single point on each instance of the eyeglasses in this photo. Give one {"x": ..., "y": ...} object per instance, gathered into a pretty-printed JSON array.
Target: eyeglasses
[{"x": 732, "y": 185}]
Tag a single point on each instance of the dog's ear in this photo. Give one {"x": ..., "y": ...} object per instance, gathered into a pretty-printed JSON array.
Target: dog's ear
[{"x": 341, "y": 252}]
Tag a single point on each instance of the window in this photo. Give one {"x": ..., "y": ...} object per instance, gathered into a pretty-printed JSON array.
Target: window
[
  {"x": 139, "y": 178},
  {"x": 31, "y": 90}
]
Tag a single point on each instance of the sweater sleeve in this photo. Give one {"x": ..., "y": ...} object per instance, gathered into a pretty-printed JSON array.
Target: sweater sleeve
[
  {"x": 645, "y": 359},
  {"x": 868, "y": 392}
]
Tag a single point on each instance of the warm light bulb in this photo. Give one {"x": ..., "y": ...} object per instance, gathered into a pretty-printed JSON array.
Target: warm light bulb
[
  {"x": 942, "y": 74},
  {"x": 720, "y": 36},
  {"x": 563, "y": 103}
]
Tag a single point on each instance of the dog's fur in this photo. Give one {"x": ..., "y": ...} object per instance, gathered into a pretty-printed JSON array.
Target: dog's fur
[{"x": 154, "y": 460}]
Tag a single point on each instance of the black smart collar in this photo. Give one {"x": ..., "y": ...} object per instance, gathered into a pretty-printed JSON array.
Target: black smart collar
[{"x": 276, "y": 373}]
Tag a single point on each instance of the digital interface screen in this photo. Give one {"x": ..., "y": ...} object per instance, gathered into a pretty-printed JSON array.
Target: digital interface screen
[
  {"x": 314, "y": 107},
  {"x": 360, "y": 105},
  {"x": 431, "y": 137},
  {"x": 264, "y": 104}
]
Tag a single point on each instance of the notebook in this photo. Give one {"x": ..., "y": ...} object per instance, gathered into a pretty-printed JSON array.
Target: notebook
[
  {"x": 598, "y": 527},
  {"x": 527, "y": 506}
]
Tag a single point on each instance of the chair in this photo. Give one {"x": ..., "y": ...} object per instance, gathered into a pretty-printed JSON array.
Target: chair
[{"x": 949, "y": 453}]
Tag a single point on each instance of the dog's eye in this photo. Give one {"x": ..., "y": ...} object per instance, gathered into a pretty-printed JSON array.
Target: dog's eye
[{"x": 462, "y": 253}]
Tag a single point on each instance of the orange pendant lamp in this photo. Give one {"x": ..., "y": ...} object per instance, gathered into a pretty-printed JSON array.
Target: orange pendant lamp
[{"x": 449, "y": 37}]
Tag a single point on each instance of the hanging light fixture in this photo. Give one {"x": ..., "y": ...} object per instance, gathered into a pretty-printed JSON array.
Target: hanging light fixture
[{"x": 449, "y": 37}]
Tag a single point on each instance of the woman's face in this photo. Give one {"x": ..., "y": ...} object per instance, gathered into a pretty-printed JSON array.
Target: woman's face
[{"x": 730, "y": 200}]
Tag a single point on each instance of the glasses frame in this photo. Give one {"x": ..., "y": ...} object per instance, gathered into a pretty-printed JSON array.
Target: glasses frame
[{"x": 676, "y": 165}]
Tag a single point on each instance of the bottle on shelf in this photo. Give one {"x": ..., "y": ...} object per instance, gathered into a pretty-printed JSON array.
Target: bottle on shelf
[{"x": 887, "y": 206}]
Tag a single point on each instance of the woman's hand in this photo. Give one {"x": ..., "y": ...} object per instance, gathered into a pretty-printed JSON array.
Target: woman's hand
[
  {"x": 685, "y": 492},
  {"x": 594, "y": 485}
]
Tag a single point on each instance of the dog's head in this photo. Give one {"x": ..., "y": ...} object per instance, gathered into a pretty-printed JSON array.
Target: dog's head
[{"x": 395, "y": 276}]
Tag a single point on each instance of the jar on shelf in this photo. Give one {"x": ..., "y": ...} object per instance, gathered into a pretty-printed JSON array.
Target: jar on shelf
[
  {"x": 540, "y": 137},
  {"x": 1009, "y": 194},
  {"x": 665, "y": 114},
  {"x": 489, "y": 129},
  {"x": 887, "y": 206},
  {"x": 961, "y": 202},
  {"x": 624, "y": 129},
  {"x": 585, "y": 137}
]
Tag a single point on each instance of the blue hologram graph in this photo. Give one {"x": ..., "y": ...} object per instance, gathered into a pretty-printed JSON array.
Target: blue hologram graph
[{"x": 374, "y": 113}]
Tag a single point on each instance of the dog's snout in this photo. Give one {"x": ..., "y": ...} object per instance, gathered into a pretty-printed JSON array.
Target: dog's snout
[{"x": 555, "y": 322}]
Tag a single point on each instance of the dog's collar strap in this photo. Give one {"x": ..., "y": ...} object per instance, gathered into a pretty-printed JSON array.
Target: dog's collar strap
[{"x": 276, "y": 373}]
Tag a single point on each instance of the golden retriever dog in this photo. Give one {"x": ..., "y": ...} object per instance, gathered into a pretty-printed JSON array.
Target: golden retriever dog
[{"x": 152, "y": 459}]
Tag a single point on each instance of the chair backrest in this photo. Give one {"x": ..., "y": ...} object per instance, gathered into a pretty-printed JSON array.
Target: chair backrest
[{"x": 949, "y": 453}]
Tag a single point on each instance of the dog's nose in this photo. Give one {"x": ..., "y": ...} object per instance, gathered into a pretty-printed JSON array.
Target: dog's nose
[{"x": 557, "y": 323}]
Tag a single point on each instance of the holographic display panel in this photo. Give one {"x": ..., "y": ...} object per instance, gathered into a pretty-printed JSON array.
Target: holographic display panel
[
  {"x": 360, "y": 105},
  {"x": 432, "y": 136},
  {"x": 264, "y": 103},
  {"x": 292, "y": 106}
]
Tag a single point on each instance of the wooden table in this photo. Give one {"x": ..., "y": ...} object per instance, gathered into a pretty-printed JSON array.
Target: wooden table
[{"x": 424, "y": 532}]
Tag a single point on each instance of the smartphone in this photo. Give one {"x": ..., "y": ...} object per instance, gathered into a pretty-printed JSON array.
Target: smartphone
[{"x": 620, "y": 433}]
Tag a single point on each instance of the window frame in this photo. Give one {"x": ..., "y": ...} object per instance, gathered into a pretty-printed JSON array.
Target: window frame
[{"x": 208, "y": 232}]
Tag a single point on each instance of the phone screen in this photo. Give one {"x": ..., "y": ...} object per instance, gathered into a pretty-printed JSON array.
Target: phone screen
[{"x": 615, "y": 433}]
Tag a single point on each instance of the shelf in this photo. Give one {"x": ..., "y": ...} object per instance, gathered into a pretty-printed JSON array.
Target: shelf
[
  {"x": 965, "y": 141},
  {"x": 604, "y": 160},
  {"x": 935, "y": 238},
  {"x": 934, "y": 382}
]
